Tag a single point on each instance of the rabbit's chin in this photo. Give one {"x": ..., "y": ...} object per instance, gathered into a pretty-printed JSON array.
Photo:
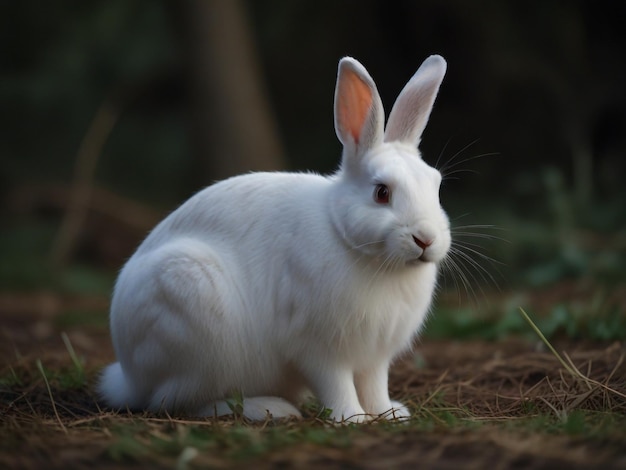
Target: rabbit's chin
[
  {"x": 399, "y": 263},
  {"x": 421, "y": 261},
  {"x": 427, "y": 257},
  {"x": 418, "y": 261}
]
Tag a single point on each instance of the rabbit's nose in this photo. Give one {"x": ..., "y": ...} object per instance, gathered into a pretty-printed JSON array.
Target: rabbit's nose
[{"x": 423, "y": 243}]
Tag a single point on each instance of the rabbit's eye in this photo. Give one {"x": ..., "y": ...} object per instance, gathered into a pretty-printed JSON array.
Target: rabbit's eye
[{"x": 382, "y": 194}]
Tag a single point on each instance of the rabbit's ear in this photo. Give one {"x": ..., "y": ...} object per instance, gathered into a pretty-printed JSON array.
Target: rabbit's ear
[
  {"x": 411, "y": 110},
  {"x": 359, "y": 116}
]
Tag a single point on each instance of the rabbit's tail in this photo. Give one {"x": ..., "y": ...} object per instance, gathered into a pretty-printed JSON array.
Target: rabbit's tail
[
  {"x": 254, "y": 408},
  {"x": 114, "y": 389}
]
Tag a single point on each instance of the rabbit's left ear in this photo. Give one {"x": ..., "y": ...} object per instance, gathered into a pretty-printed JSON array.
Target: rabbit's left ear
[
  {"x": 411, "y": 110},
  {"x": 359, "y": 116}
]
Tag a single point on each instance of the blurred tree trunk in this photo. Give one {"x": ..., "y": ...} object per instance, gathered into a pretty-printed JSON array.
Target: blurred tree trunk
[{"x": 233, "y": 128}]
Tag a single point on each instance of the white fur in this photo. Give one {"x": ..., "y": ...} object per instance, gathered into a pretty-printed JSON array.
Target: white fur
[{"x": 271, "y": 284}]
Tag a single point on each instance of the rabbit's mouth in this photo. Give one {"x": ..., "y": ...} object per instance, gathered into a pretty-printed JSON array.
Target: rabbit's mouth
[
  {"x": 418, "y": 261},
  {"x": 429, "y": 256}
]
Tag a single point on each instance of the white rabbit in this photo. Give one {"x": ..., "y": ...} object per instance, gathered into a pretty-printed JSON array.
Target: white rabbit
[{"x": 269, "y": 285}]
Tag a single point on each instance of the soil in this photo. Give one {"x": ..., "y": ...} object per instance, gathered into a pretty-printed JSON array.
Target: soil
[{"x": 499, "y": 384}]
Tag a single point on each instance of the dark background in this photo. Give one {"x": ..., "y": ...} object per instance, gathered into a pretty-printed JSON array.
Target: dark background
[{"x": 535, "y": 89}]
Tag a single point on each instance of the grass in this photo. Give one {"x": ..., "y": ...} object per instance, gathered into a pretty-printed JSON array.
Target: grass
[
  {"x": 511, "y": 390},
  {"x": 601, "y": 427},
  {"x": 238, "y": 440},
  {"x": 242, "y": 441},
  {"x": 542, "y": 393},
  {"x": 516, "y": 398}
]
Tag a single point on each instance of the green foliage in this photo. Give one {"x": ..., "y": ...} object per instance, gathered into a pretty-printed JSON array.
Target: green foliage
[
  {"x": 562, "y": 260},
  {"x": 561, "y": 239},
  {"x": 25, "y": 266},
  {"x": 67, "y": 377},
  {"x": 74, "y": 57},
  {"x": 592, "y": 425},
  {"x": 126, "y": 445},
  {"x": 235, "y": 403},
  {"x": 238, "y": 441},
  {"x": 561, "y": 320},
  {"x": 139, "y": 440},
  {"x": 82, "y": 318},
  {"x": 63, "y": 379},
  {"x": 10, "y": 378}
]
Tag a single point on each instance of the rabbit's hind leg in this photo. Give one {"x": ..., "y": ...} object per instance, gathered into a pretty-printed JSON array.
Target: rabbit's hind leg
[
  {"x": 199, "y": 308},
  {"x": 172, "y": 320},
  {"x": 190, "y": 278}
]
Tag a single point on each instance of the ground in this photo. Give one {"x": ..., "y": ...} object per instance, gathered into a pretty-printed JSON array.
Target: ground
[{"x": 497, "y": 404}]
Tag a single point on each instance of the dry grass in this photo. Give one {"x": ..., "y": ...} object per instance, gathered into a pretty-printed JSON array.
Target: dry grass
[{"x": 477, "y": 404}]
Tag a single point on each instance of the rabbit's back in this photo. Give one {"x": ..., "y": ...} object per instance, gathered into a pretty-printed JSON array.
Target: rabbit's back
[{"x": 240, "y": 209}]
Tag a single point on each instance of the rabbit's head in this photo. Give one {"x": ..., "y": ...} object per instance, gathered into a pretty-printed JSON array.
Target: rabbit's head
[{"x": 385, "y": 201}]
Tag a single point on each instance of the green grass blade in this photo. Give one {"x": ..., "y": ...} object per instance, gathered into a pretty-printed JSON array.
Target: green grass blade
[
  {"x": 54, "y": 406},
  {"x": 72, "y": 353},
  {"x": 547, "y": 343}
]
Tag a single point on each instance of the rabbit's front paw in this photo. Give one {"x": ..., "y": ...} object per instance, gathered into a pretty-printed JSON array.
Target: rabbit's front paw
[
  {"x": 398, "y": 411},
  {"x": 348, "y": 417}
]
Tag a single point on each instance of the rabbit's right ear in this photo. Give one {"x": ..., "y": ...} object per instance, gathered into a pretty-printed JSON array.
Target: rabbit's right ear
[{"x": 359, "y": 116}]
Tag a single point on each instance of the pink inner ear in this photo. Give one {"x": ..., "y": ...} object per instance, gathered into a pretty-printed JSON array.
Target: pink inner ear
[{"x": 355, "y": 103}]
